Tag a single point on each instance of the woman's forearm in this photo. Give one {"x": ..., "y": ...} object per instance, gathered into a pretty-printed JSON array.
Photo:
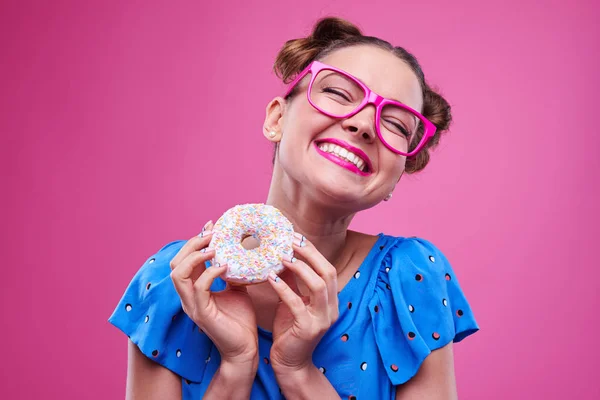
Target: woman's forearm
[
  {"x": 306, "y": 383},
  {"x": 232, "y": 381}
]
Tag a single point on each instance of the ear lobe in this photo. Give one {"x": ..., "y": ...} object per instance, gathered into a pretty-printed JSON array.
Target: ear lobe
[
  {"x": 272, "y": 127},
  {"x": 271, "y": 135}
]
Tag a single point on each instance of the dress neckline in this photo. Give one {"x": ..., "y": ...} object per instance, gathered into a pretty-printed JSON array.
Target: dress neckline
[{"x": 362, "y": 268}]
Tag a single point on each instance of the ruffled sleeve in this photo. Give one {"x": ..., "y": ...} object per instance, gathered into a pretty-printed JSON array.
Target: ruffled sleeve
[
  {"x": 418, "y": 306},
  {"x": 150, "y": 314}
]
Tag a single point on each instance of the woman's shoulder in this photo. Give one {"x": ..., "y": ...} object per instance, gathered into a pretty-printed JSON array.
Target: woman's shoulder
[
  {"x": 417, "y": 304},
  {"x": 419, "y": 250},
  {"x": 150, "y": 314}
]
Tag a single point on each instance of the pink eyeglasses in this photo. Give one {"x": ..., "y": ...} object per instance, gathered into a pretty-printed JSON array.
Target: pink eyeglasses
[{"x": 338, "y": 94}]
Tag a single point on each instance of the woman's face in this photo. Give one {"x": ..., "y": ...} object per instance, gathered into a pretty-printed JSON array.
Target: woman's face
[{"x": 303, "y": 128}]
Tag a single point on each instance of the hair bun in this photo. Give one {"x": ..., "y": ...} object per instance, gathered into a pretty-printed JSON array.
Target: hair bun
[
  {"x": 331, "y": 29},
  {"x": 296, "y": 54}
]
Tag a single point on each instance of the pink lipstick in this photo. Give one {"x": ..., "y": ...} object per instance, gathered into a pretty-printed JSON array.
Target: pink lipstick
[{"x": 341, "y": 161}]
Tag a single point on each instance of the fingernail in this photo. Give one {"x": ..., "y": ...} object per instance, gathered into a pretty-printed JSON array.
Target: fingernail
[
  {"x": 299, "y": 235},
  {"x": 299, "y": 242},
  {"x": 207, "y": 225},
  {"x": 273, "y": 276},
  {"x": 204, "y": 233},
  {"x": 288, "y": 257}
]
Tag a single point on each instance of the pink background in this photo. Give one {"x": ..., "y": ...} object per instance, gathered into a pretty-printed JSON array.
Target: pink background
[{"x": 125, "y": 125}]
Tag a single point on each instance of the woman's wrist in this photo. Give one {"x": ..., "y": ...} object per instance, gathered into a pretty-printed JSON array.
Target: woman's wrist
[
  {"x": 298, "y": 374},
  {"x": 233, "y": 380},
  {"x": 304, "y": 382},
  {"x": 236, "y": 370}
]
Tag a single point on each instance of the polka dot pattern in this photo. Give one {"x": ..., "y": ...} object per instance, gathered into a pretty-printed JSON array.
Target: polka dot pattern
[{"x": 409, "y": 279}]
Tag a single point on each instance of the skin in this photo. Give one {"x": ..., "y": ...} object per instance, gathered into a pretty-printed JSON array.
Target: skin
[{"x": 320, "y": 198}]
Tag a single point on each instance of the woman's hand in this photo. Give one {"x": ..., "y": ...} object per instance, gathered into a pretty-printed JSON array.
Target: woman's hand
[
  {"x": 227, "y": 317},
  {"x": 301, "y": 322}
]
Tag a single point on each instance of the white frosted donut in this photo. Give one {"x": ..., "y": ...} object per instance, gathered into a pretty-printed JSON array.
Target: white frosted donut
[{"x": 266, "y": 223}]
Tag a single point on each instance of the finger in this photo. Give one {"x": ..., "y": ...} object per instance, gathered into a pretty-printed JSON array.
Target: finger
[
  {"x": 198, "y": 259},
  {"x": 288, "y": 296},
  {"x": 202, "y": 286},
  {"x": 184, "y": 273},
  {"x": 194, "y": 244},
  {"x": 304, "y": 248},
  {"x": 290, "y": 278},
  {"x": 316, "y": 285}
]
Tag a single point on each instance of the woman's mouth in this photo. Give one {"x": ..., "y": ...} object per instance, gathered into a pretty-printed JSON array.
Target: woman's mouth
[{"x": 344, "y": 155}]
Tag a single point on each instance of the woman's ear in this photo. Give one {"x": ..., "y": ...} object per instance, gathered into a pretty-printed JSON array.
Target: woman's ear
[{"x": 273, "y": 126}]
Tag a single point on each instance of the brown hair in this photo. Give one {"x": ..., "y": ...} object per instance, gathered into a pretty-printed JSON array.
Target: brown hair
[{"x": 332, "y": 33}]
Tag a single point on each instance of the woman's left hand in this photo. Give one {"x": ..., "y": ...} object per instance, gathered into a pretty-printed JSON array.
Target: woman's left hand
[{"x": 301, "y": 322}]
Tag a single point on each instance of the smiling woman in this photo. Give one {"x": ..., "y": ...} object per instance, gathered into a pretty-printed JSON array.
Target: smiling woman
[{"x": 352, "y": 316}]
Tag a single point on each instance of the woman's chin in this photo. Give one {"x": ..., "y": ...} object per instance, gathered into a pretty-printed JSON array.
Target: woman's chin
[{"x": 337, "y": 193}]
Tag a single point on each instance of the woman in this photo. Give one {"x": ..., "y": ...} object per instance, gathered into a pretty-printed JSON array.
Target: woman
[{"x": 353, "y": 316}]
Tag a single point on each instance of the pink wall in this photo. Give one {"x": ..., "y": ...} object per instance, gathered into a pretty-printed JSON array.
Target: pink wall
[{"x": 127, "y": 124}]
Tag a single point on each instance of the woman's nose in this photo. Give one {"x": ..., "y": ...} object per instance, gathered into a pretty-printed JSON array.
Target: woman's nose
[{"x": 362, "y": 123}]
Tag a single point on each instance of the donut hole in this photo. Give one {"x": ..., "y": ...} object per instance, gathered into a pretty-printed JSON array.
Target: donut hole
[{"x": 250, "y": 241}]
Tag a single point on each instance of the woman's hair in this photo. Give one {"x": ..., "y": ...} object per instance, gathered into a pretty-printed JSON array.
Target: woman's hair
[{"x": 332, "y": 33}]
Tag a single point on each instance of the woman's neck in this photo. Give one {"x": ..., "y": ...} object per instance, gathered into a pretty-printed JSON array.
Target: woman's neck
[{"x": 324, "y": 226}]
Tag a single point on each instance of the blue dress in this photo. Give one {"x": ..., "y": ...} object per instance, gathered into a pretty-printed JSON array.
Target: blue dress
[{"x": 402, "y": 303}]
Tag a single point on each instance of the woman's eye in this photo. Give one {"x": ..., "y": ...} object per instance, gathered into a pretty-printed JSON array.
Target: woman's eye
[
  {"x": 404, "y": 131},
  {"x": 399, "y": 128},
  {"x": 336, "y": 92}
]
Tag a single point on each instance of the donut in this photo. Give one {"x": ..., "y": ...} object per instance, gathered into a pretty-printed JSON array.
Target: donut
[{"x": 267, "y": 224}]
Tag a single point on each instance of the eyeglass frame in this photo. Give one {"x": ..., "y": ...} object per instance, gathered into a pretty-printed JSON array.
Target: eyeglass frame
[{"x": 371, "y": 97}]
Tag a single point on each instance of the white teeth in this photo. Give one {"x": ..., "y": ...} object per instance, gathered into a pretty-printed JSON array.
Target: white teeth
[{"x": 343, "y": 153}]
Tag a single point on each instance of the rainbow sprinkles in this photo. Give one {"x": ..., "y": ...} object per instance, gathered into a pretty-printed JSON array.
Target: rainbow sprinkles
[{"x": 268, "y": 225}]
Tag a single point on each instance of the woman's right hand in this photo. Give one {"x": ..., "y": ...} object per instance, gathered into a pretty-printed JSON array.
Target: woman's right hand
[{"x": 227, "y": 317}]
